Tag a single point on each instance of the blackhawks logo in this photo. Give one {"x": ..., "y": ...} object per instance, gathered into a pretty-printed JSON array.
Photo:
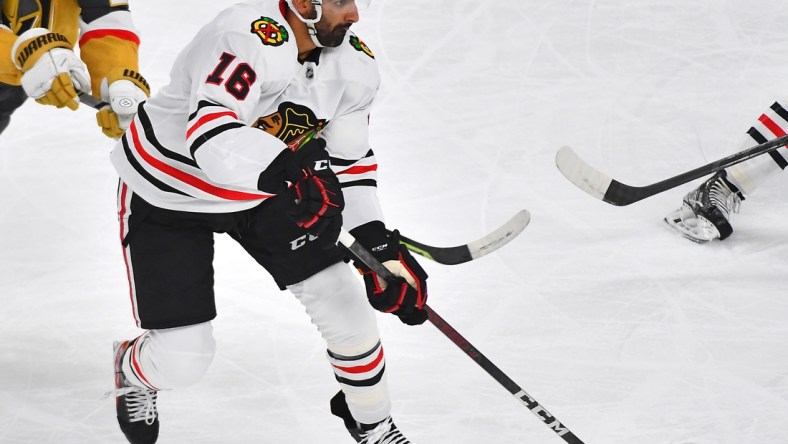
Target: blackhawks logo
[
  {"x": 360, "y": 46},
  {"x": 270, "y": 32},
  {"x": 290, "y": 122}
]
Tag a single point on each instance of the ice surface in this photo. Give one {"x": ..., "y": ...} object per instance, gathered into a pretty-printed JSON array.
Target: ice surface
[{"x": 623, "y": 330}]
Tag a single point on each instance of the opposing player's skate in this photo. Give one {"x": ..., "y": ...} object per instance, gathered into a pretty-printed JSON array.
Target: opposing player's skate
[
  {"x": 705, "y": 213},
  {"x": 136, "y": 407},
  {"x": 384, "y": 432}
]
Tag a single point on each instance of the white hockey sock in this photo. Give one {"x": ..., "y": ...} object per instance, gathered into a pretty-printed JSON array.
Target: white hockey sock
[
  {"x": 363, "y": 380},
  {"x": 337, "y": 303},
  {"x": 170, "y": 358},
  {"x": 747, "y": 176}
]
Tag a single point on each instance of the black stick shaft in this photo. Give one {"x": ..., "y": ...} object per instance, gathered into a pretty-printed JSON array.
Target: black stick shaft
[
  {"x": 87, "y": 99},
  {"x": 621, "y": 194},
  {"x": 454, "y": 336}
]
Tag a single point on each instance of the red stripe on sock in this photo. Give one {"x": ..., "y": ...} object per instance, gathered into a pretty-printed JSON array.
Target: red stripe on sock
[
  {"x": 362, "y": 368},
  {"x": 771, "y": 125},
  {"x": 135, "y": 364}
]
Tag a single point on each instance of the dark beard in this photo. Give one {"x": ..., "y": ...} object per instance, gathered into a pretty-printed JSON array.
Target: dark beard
[{"x": 331, "y": 38}]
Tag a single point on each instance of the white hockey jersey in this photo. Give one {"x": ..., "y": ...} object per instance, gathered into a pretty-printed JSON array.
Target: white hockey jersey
[{"x": 237, "y": 95}]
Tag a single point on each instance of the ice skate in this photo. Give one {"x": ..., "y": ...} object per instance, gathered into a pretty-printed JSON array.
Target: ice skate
[
  {"x": 705, "y": 213},
  {"x": 136, "y": 407},
  {"x": 384, "y": 432}
]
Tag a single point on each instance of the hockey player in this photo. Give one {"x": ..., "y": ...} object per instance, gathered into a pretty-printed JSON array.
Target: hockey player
[
  {"x": 706, "y": 211},
  {"x": 37, "y": 59},
  {"x": 262, "y": 133}
]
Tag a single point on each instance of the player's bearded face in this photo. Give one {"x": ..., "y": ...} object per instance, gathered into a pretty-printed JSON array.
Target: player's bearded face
[
  {"x": 338, "y": 17},
  {"x": 331, "y": 35}
]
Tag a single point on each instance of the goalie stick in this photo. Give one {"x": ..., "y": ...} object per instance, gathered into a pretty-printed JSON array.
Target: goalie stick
[
  {"x": 454, "y": 336},
  {"x": 601, "y": 186},
  {"x": 472, "y": 250}
]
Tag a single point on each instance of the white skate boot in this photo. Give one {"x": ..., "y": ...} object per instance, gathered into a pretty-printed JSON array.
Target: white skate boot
[{"x": 705, "y": 213}]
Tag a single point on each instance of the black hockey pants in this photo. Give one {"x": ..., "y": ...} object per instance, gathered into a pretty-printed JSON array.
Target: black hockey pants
[{"x": 11, "y": 98}]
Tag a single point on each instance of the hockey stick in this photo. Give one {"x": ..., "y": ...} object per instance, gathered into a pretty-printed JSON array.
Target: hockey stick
[
  {"x": 444, "y": 255},
  {"x": 472, "y": 250},
  {"x": 601, "y": 186},
  {"x": 561, "y": 430},
  {"x": 91, "y": 101}
]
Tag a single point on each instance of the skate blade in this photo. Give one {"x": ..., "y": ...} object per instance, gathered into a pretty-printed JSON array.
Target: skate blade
[{"x": 693, "y": 227}]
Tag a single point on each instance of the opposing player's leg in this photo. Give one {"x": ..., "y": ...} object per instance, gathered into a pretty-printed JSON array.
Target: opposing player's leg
[
  {"x": 313, "y": 270},
  {"x": 169, "y": 259},
  {"x": 706, "y": 211},
  {"x": 11, "y": 98}
]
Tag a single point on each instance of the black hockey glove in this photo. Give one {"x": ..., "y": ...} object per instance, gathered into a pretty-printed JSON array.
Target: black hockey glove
[
  {"x": 405, "y": 296},
  {"x": 315, "y": 190}
]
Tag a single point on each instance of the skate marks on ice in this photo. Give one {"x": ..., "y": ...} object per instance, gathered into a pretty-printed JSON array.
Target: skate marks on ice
[{"x": 625, "y": 332}]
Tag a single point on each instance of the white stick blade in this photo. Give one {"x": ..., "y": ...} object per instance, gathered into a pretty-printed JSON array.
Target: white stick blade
[
  {"x": 583, "y": 175},
  {"x": 501, "y": 236}
]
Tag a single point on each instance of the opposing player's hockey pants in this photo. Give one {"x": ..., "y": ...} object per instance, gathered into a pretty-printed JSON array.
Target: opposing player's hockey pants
[{"x": 11, "y": 98}]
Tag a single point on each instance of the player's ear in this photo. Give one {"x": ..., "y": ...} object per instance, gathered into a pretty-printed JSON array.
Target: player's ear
[{"x": 303, "y": 7}]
